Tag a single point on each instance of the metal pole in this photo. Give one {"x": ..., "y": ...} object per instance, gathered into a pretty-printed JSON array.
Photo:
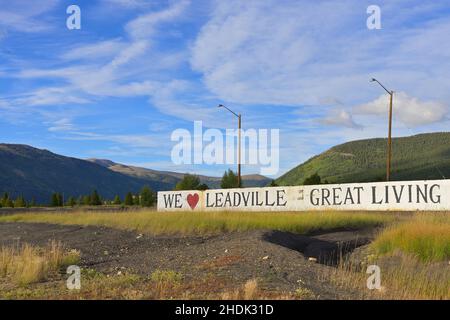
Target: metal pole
[
  {"x": 239, "y": 151},
  {"x": 239, "y": 141},
  {"x": 389, "y": 146},
  {"x": 389, "y": 155}
]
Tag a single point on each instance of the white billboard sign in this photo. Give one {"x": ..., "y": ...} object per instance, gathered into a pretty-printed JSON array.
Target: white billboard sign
[{"x": 402, "y": 195}]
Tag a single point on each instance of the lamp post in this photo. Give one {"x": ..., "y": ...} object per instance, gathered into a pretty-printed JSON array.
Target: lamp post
[
  {"x": 239, "y": 141},
  {"x": 389, "y": 153}
]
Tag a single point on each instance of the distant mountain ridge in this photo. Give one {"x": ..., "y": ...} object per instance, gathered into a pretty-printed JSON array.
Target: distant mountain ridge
[
  {"x": 251, "y": 180},
  {"x": 37, "y": 173},
  {"x": 418, "y": 157}
]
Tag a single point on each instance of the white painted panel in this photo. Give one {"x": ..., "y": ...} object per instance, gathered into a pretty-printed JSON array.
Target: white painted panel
[{"x": 404, "y": 195}]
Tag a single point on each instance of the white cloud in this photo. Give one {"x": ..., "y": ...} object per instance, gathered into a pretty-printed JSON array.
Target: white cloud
[
  {"x": 409, "y": 110},
  {"x": 50, "y": 96},
  {"x": 340, "y": 118},
  {"x": 91, "y": 51},
  {"x": 111, "y": 68},
  {"x": 129, "y": 140},
  {"x": 22, "y": 15},
  {"x": 63, "y": 124},
  {"x": 4, "y": 104},
  {"x": 145, "y": 25},
  {"x": 297, "y": 53},
  {"x": 131, "y": 4}
]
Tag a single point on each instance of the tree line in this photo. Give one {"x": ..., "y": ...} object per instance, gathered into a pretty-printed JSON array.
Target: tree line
[
  {"x": 145, "y": 198},
  {"x": 192, "y": 182}
]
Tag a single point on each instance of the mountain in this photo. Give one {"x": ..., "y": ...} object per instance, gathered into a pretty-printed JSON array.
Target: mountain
[
  {"x": 251, "y": 180},
  {"x": 423, "y": 156},
  {"x": 36, "y": 173}
]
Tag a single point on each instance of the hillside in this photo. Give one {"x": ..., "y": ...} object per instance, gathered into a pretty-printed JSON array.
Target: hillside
[
  {"x": 37, "y": 173},
  {"x": 423, "y": 156},
  {"x": 251, "y": 180}
]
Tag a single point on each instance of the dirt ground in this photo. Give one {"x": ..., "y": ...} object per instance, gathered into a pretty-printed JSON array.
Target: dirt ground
[{"x": 279, "y": 260}]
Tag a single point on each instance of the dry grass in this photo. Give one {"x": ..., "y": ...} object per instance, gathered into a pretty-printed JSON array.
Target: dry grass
[
  {"x": 28, "y": 264},
  {"x": 413, "y": 258},
  {"x": 412, "y": 253},
  {"x": 152, "y": 222},
  {"x": 402, "y": 277},
  {"x": 96, "y": 285},
  {"x": 426, "y": 237}
]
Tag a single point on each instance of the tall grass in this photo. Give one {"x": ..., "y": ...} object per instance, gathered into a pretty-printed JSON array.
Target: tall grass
[
  {"x": 425, "y": 237},
  {"x": 402, "y": 277},
  {"x": 28, "y": 264},
  {"x": 156, "y": 223}
]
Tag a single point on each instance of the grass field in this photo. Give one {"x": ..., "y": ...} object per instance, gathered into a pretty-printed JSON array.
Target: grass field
[
  {"x": 28, "y": 264},
  {"x": 423, "y": 236},
  {"x": 413, "y": 251},
  {"x": 155, "y": 223}
]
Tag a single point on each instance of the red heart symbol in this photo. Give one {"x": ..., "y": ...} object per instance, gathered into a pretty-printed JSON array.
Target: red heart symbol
[{"x": 192, "y": 199}]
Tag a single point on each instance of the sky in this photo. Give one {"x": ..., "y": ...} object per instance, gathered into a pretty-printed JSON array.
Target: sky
[{"x": 138, "y": 70}]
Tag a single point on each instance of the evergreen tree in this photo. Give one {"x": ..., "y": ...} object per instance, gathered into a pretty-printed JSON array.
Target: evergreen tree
[
  {"x": 203, "y": 187},
  {"x": 229, "y": 180},
  {"x": 273, "y": 184},
  {"x": 189, "y": 182},
  {"x": 147, "y": 197},
  {"x": 86, "y": 200},
  {"x": 95, "y": 199},
  {"x": 32, "y": 204},
  {"x": 71, "y": 202},
  {"x": 136, "y": 199},
  {"x": 117, "y": 200},
  {"x": 312, "y": 180},
  {"x": 5, "y": 199},
  {"x": 56, "y": 200},
  {"x": 9, "y": 203},
  {"x": 129, "y": 199},
  {"x": 20, "y": 202}
]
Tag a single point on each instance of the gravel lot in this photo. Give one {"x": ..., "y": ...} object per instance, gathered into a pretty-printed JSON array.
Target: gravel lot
[{"x": 279, "y": 260}]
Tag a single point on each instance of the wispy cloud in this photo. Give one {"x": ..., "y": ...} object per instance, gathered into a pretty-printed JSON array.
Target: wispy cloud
[
  {"x": 22, "y": 15},
  {"x": 301, "y": 66},
  {"x": 340, "y": 118},
  {"x": 409, "y": 110}
]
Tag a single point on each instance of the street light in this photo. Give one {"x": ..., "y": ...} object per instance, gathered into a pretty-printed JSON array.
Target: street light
[
  {"x": 239, "y": 141},
  {"x": 389, "y": 155}
]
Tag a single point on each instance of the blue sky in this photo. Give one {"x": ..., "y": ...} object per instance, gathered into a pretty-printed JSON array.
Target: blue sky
[{"x": 137, "y": 70}]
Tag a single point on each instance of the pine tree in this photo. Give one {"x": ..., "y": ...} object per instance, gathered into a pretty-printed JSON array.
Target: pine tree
[
  {"x": 4, "y": 200},
  {"x": 129, "y": 199},
  {"x": 95, "y": 199},
  {"x": 189, "y": 182},
  {"x": 20, "y": 202},
  {"x": 86, "y": 200},
  {"x": 32, "y": 204},
  {"x": 54, "y": 200},
  {"x": 60, "y": 200},
  {"x": 9, "y": 203},
  {"x": 147, "y": 197},
  {"x": 312, "y": 180},
  {"x": 117, "y": 200},
  {"x": 229, "y": 180},
  {"x": 273, "y": 184},
  {"x": 203, "y": 187},
  {"x": 136, "y": 199},
  {"x": 71, "y": 202}
]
